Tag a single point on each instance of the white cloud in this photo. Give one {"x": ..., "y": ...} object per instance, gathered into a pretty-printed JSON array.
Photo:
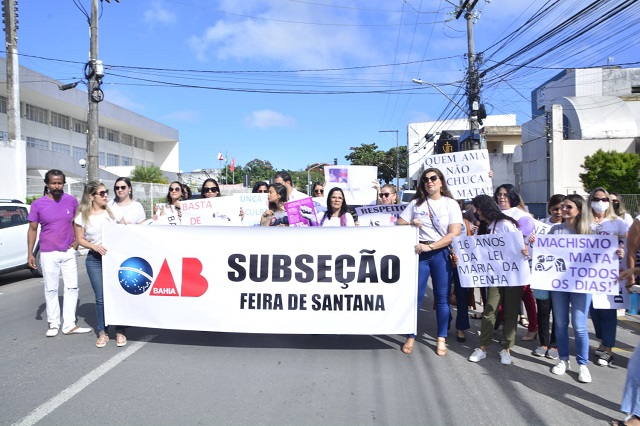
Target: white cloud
[
  {"x": 287, "y": 43},
  {"x": 189, "y": 116},
  {"x": 267, "y": 118},
  {"x": 158, "y": 13}
]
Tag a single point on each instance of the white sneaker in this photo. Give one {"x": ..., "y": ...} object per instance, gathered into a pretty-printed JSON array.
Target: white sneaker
[
  {"x": 561, "y": 368},
  {"x": 77, "y": 330},
  {"x": 52, "y": 332},
  {"x": 584, "y": 376},
  {"x": 477, "y": 355},
  {"x": 505, "y": 357}
]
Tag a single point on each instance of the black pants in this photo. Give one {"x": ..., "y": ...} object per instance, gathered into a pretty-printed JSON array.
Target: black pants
[{"x": 544, "y": 313}]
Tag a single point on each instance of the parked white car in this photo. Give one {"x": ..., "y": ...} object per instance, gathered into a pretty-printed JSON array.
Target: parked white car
[
  {"x": 406, "y": 195},
  {"x": 13, "y": 238}
]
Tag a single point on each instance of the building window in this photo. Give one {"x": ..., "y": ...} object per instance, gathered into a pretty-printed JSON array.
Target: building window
[
  {"x": 138, "y": 142},
  {"x": 34, "y": 113},
  {"x": 60, "y": 148},
  {"x": 101, "y": 158},
  {"x": 148, "y": 146},
  {"x": 113, "y": 160},
  {"x": 59, "y": 120},
  {"x": 80, "y": 126},
  {"x": 3, "y": 104},
  {"x": 101, "y": 132},
  {"x": 126, "y": 139},
  {"x": 634, "y": 89},
  {"x": 79, "y": 153},
  {"x": 126, "y": 161},
  {"x": 37, "y": 143},
  {"x": 138, "y": 162},
  {"x": 113, "y": 136}
]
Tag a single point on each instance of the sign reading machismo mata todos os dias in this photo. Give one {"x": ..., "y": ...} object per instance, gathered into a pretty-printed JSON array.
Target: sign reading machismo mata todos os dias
[
  {"x": 576, "y": 263},
  {"x": 466, "y": 172},
  {"x": 262, "y": 279},
  {"x": 492, "y": 260}
]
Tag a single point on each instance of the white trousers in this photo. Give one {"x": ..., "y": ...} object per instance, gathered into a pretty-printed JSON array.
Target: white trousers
[{"x": 55, "y": 263}]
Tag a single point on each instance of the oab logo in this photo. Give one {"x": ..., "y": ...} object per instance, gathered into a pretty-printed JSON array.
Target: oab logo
[{"x": 136, "y": 276}]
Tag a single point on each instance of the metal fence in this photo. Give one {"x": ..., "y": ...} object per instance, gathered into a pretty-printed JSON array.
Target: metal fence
[{"x": 148, "y": 194}]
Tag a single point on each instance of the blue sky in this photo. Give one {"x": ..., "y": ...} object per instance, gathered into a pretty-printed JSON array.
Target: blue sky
[{"x": 297, "y": 82}]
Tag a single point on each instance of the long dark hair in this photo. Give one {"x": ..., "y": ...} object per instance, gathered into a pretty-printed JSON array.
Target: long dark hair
[
  {"x": 128, "y": 182},
  {"x": 421, "y": 194},
  {"x": 515, "y": 200},
  {"x": 51, "y": 173},
  {"x": 343, "y": 208},
  {"x": 169, "y": 201},
  {"x": 258, "y": 185},
  {"x": 490, "y": 213},
  {"x": 215, "y": 182},
  {"x": 281, "y": 190}
]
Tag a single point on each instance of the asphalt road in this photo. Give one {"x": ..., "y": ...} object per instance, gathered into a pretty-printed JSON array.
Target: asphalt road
[{"x": 165, "y": 377}]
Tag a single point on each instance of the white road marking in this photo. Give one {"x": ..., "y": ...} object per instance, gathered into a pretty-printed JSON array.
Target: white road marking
[{"x": 64, "y": 396}]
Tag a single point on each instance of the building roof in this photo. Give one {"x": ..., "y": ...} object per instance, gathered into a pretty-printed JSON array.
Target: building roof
[{"x": 600, "y": 117}]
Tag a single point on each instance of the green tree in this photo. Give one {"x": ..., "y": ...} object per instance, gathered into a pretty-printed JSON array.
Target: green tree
[
  {"x": 232, "y": 177},
  {"x": 370, "y": 155},
  {"x": 150, "y": 174},
  {"x": 615, "y": 171},
  {"x": 259, "y": 170}
]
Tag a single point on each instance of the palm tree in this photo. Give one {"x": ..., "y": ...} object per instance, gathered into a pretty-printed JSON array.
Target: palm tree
[{"x": 150, "y": 174}]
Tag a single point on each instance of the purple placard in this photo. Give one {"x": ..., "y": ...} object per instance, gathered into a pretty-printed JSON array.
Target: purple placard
[{"x": 301, "y": 212}]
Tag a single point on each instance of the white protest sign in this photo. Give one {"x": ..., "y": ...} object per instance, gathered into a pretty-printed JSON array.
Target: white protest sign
[
  {"x": 492, "y": 260},
  {"x": 380, "y": 215},
  {"x": 253, "y": 205},
  {"x": 619, "y": 300},
  {"x": 539, "y": 228},
  {"x": 576, "y": 263},
  {"x": 466, "y": 172},
  {"x": 215, "y": 211},
  {"x": 319, "y": 280},
  {"x": 355, "y": 182}
]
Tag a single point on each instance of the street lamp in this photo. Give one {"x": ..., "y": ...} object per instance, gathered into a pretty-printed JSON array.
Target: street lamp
[{"x": 397, "y": 156}]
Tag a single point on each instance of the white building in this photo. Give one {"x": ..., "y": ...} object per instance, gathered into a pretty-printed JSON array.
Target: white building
[
  {"x": 501, "y": 133},
  {"x": 574, "y": 114},
  {"x": 54, "y": 126}
]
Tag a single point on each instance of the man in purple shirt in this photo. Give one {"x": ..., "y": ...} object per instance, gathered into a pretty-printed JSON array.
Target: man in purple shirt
[{"x": 58, "y": 249}]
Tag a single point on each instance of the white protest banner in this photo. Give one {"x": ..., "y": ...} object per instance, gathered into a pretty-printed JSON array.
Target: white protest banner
[
  {"x": 576, "y": 263},
  {"x": 492, "y": 260},
  {"x": 253, "y": 205},
  {"x": 315, "y": 280},
  {"x": 355, "y": 182},
  {"x": 164, "y": 215},
  {"x": 466, "y": 172},
  {"x": 215, "y": 211},
  {"x": 619, "y": 300},
  {"x": 380, "y": 215},
  {"x": 539, "y": 228}
]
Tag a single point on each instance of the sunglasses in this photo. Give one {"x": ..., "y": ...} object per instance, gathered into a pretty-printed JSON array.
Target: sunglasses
[
  {"x": 102, "y": 193},
  {"x": 596, "y": 199},
  {"x": 120, "y": 188},
  {"x": 501, "y": 195},
  {"x": 385, "y": 194},
  {"x": 175, "y": 188},
  {"x": 212, "y": 189},
  {"x": 319, "y": 191},
  {"x": 431, "y": 178},
  {"x": 262, "y": 191}
]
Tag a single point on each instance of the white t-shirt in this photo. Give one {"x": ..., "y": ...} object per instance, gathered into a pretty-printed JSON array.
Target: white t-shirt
[
  {"x": 516, "y": 213},
  {"x": 93, "y": 228},
  {"x": 501, "y": 227},
  {"x": 447, "y": 210},
  {"x": 627, "y": 219},
  {"x": 132, "y": 212},
  {"x": 610, "y": 227},
  {"x": 296, "y": 195},
  {"x": 335, "y": 221}
]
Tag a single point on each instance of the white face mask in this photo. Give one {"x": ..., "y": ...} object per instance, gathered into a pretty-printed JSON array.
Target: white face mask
[{"x": 599, "y": 206}]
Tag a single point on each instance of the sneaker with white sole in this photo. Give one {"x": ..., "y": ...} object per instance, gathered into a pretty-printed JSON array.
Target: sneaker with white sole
[
  {"x": 52, "y": 332},
  {"x": 552, "y": 353},
  {"x": 477, "y": 355},
  {"x": 77, "y": 330},
  {"x": 584, "y": 376},
  {"x": 599, "y": 351},
  {"x": 561, "y": 368},
  {"x": 605, "y": 360},
  {"x": 505, "y": 357},
  {"x": 540, "y": 351}
]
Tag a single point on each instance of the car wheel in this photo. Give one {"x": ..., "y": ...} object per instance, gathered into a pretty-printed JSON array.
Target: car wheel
[{"x": 37, "y": 273}]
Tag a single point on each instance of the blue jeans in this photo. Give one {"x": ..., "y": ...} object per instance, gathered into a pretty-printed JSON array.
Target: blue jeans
[
  {"x": 94, "y": 270},
  {"x": 579, "y": 305},
  {"x": 605, "y": 323},
  {"x": 436, "y": 264}
]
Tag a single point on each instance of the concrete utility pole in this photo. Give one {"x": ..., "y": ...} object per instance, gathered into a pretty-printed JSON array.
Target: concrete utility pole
[
  {"x": 93, "y": 86},
  {"x": 13, "y": 151}
]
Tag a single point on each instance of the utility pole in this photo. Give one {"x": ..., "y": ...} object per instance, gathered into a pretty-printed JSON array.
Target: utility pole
[
  {"x": 13, "y": 151},
  {"x": 473, "y": 81},
  {"x": 94, "y": 83}
]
